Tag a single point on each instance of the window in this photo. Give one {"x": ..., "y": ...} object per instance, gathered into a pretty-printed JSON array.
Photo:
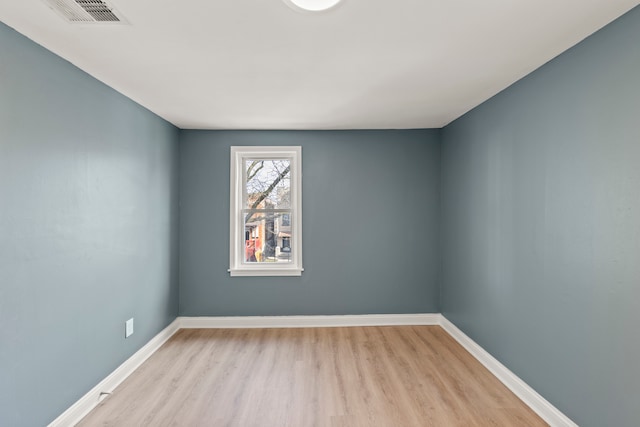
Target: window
[{"x": 266, "y": 208}]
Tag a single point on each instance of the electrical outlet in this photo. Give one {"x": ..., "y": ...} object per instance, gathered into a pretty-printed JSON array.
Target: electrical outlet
[{"x": 128, "y": 328}]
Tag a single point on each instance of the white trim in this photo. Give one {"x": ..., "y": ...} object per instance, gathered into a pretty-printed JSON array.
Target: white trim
[
  {"x": 528, "y": 395},
  {"x": 86, "y": 403},
  {"x": 264, "y": 272},
  {"x": 309, "y": 321},
  {"x": 237, "y": 266}
]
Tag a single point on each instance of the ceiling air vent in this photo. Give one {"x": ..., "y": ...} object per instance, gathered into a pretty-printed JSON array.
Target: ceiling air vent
[{"x": 86, "y": 11}]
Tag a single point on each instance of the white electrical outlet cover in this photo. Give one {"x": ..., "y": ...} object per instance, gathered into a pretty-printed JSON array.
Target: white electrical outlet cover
[{"x": 128, "y": 329}]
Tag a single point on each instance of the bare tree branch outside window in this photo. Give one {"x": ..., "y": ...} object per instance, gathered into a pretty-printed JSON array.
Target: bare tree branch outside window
[
  {"x": 261, "y": 183},
  {"x": 267, "y": 199}
]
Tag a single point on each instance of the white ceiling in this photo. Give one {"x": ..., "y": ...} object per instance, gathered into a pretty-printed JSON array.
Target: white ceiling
[{"x": 365, "y": 64}]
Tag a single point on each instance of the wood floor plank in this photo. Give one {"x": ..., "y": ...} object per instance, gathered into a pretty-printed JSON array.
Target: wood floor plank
[{"x": 333, "y": 377}]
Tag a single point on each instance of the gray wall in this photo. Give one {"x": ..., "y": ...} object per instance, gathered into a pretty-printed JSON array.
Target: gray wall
[
  {"x": 88, "y": 223},
  {"x": 541, "y": 225},
  {"x": 370, "y": 227}
]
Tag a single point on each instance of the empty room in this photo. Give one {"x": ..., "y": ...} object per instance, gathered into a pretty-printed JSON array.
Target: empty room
[{"x": 319, "y": 213}]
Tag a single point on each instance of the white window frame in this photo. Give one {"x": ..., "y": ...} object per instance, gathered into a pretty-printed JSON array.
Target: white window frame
[{"x": 237, "y": 265}]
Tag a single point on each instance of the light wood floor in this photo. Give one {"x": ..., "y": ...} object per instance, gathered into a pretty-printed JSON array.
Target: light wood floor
[{"x": 360, "y": 376}]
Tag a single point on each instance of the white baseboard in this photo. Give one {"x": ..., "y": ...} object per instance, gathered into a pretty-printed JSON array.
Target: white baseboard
[
  {"x": 528, "y": 395},
  {"x": 82, "y": 407},
  {"x": 309, "y": 321}
]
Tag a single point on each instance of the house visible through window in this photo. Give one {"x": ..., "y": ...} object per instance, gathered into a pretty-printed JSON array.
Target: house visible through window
[{"x": 265, "y": 211}]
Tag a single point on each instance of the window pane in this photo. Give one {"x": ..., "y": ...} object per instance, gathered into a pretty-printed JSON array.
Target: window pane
[
  {"x": 268, "y": 184},
  {"x": 266, "y": 237}
]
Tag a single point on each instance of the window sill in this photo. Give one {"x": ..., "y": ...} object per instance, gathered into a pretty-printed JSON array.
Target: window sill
[{"x": 248, "y": 272}]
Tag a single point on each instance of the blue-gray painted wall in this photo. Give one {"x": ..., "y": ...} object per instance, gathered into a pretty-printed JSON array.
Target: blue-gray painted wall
[
  {"x": 541, "y": 225},
  {"x": 370, "y": 227},
  {"x": 88, "y": 230}
]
